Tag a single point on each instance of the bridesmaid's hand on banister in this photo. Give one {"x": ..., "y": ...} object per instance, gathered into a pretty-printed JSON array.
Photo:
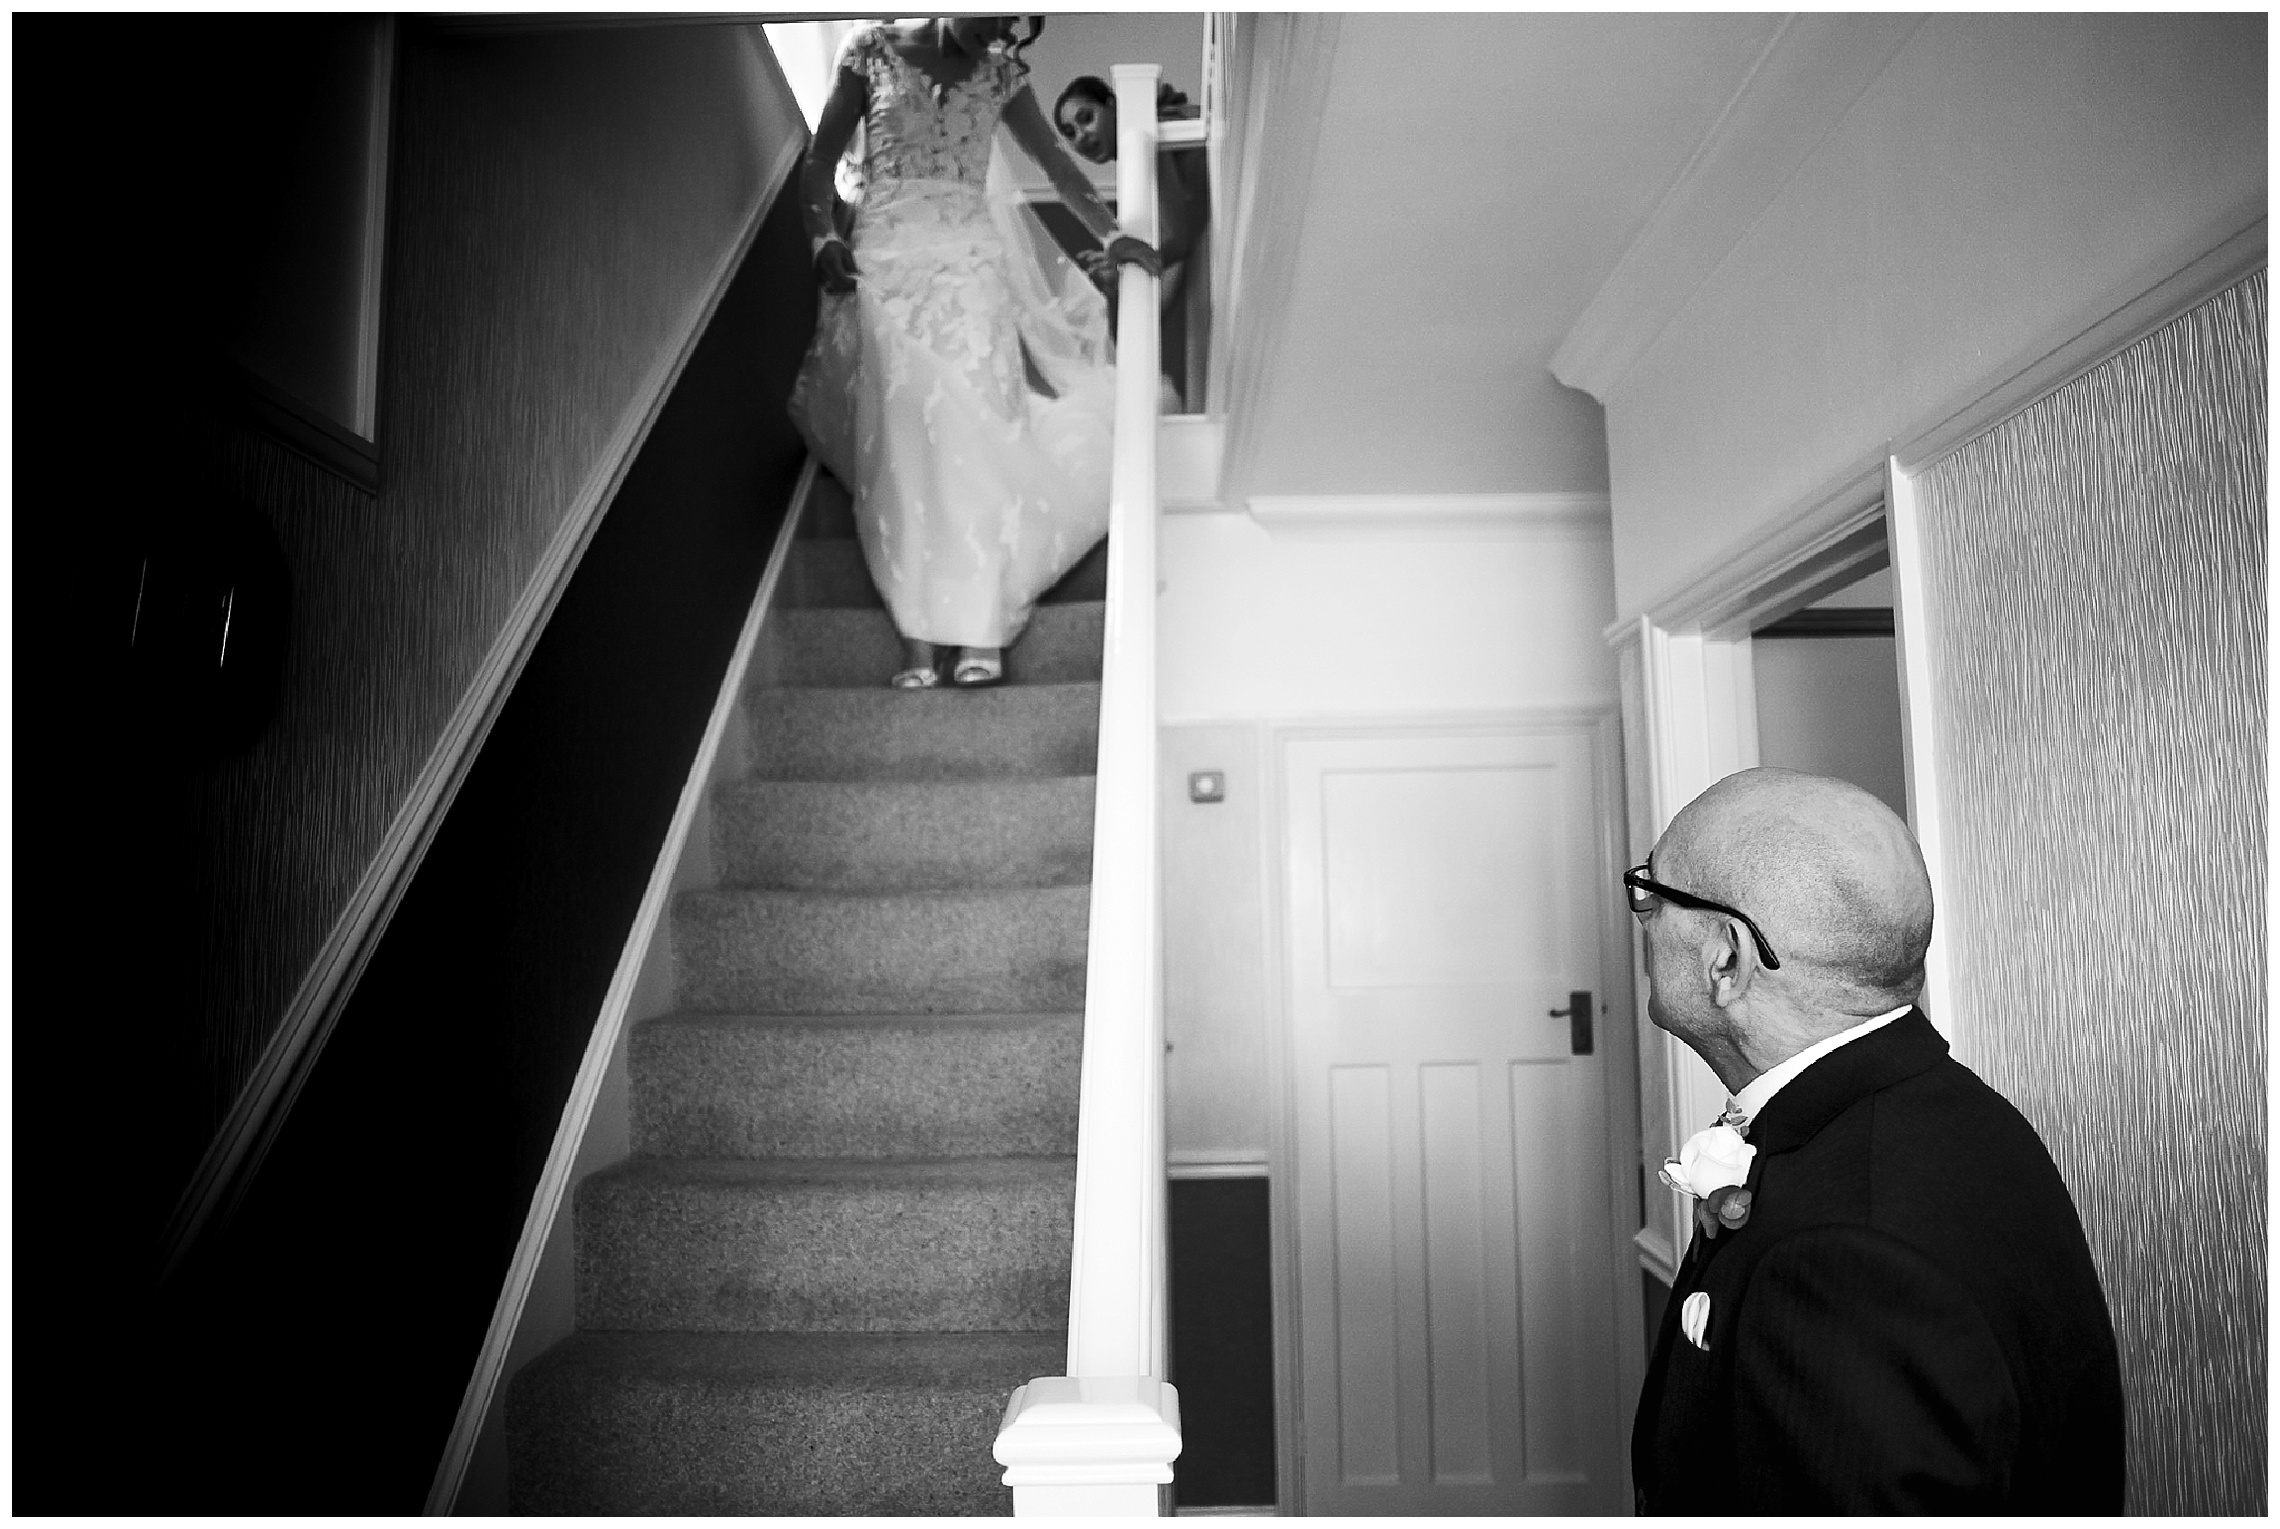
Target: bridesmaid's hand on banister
[
  {"x": 1126, "y": 250},
  {"x": 835, "y": 267}
]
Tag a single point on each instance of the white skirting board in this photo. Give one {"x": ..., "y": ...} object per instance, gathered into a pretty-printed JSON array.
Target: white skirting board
[
  {"x": 1268, "y": 1511},
  {"x": 642, "y": 963},
  {"x": 1216, "y": 1165}
]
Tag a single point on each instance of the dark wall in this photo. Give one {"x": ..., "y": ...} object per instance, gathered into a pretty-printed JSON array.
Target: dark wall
[
  {"x": 382, "y": 1223},
  {"x": 1222, "y": 1342},
  {"x": 561, "y": 209},
  {"x": 311, "y": 1357}
]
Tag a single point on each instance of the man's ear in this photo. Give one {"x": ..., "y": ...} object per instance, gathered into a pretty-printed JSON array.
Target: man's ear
[{"x": 1730, "y": 965}]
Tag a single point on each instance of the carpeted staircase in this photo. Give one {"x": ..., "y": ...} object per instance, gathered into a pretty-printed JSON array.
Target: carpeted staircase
[{"x": 843, "y": 1236}]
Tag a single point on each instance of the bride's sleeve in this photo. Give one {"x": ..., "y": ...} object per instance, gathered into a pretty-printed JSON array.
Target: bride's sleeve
[
  {"x": 856, "y": 48},
  {"x": 835, "y": 129}
]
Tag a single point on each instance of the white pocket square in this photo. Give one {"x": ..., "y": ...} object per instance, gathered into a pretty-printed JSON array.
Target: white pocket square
[{"x": 1694, "y": 1318}]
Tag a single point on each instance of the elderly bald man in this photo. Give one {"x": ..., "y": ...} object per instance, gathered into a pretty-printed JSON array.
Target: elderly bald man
[{"x": 1887, "y": 1305}]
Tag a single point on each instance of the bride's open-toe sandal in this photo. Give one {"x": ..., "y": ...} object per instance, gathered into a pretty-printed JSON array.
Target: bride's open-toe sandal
[
  {"x": 918, "y": 671},
  {"x": 978, "y": 667}
]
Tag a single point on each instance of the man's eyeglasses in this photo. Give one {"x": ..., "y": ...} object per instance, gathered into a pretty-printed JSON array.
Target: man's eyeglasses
[{"x": 1643, "y": 889}]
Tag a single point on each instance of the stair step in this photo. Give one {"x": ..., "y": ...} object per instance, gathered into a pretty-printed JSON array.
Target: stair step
[
  {"x": 769, "y": 1423},
  {"x": 831, "y": 572},
  {"x": 904, "y": 835},
  {"x": 849, "y": 646},
  {"x": 1001, "y": 950},
  {"x": 844, "y": 1237},
  {"x": 827, "y": 1245},
  {"x": 745, "y": 1086},
  {"x": 873, "y": 733}
]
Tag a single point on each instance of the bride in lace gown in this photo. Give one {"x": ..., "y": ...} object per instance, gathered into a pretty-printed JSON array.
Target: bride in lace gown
[{"x": 960, "y": 381}]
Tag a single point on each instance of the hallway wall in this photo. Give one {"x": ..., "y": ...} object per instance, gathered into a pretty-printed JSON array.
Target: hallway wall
[
  {"x": 562, "y": 209},
  {"x": 1261, "y": 626},
  {"x": 2095, "y": 593},
  {"x": 2003, "y": 183}
]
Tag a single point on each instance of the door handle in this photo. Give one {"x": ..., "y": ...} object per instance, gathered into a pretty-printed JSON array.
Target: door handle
[{"x": 1578, "y": 1016}]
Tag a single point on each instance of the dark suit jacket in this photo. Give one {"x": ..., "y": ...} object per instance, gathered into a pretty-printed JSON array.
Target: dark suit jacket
[{"x": 1908, "y": 1322}]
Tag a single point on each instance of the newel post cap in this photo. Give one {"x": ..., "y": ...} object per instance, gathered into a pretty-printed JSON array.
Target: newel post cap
[{"x": 1063, "y": 1430}]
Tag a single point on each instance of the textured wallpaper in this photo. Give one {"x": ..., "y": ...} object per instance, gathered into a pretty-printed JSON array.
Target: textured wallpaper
[
  {"x": 559, "y": 206},
  {"x": 2096, "y": 593}
]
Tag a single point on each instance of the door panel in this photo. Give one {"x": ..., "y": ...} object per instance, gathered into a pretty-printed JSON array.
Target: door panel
[
  {"x": 1556, "y": 1276},
  {"x": 1369, "y": 1410},
  {"x": 1455, "y": 1298},
  {"x": 1457, "y": 1348}
]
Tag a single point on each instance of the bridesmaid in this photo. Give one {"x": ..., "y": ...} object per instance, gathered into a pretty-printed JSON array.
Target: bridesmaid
[{"x": 1085, "y": 113}]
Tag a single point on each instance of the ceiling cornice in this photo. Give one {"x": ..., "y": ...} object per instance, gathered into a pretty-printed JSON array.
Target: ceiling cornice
[
  {"x": 1568, "y": 514},
  {"x": 1792, "y": 560},
  {"x": 1804, "y": 83},
  {"x": 502, "y": 23}
]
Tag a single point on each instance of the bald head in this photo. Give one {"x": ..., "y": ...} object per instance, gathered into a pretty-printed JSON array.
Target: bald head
[{"x": 1828, "y": 872}]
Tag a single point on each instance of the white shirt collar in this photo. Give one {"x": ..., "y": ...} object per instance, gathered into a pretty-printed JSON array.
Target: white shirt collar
[{"x": 1759, "y": 1092}]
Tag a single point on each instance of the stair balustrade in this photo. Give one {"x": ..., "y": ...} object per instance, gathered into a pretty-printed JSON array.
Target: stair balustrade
[{"x": 1100, "y": 1440}]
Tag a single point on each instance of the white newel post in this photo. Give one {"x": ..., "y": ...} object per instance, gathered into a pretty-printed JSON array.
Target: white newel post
[{"x": 1101, "y": 1439}]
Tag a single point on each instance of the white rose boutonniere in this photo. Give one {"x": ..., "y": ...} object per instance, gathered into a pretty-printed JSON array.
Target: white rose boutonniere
[{"x": 1711, "y": 1169}]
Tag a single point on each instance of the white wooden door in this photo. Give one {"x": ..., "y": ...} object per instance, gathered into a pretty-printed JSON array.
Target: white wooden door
[{"x": 1457, "y": 1348}]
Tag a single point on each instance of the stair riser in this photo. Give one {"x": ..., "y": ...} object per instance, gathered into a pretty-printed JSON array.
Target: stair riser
[
  {"x": 874, "y": 733},
  {"x": 1015, "y": 952},
  {"x": 831, "y": 1257},
  {"x": 861, "y": 647},
  {"x": 831, "y": 512},
  {"x": 857, "y": 1090},
  {"x": 636, "y": 1446},
  {"x": 902, "y": 836}
]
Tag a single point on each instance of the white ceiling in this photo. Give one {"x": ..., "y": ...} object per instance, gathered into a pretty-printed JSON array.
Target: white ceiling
[{"x": 1476, "y": 179}]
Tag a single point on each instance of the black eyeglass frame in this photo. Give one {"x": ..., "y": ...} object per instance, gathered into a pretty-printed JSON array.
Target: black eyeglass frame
[{"x": 1636, "y": 879}]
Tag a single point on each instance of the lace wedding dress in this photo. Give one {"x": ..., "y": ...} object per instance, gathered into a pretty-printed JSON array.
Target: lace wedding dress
[{"x": 975, "y": 488}]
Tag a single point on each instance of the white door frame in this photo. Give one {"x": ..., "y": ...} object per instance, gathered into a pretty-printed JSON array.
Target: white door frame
[
  {"x": 1615, "y": 1040},
  {"x": 1690, "y": 715}
]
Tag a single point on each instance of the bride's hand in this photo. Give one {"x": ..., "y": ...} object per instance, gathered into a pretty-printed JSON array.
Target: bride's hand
[
  {"x": 1126, "y": 250},
  {"x": 835, "y": 268}
]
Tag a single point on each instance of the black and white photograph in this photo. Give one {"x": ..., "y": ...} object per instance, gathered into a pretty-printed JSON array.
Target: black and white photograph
[{"x": 1371, "y": 764}]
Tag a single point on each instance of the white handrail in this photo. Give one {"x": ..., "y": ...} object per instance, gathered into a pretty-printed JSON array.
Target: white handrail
[{"x": 1101, "y": 1439}]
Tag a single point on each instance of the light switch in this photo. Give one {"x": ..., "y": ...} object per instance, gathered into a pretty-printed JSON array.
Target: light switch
[{"x": 1207, "y": 786}]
